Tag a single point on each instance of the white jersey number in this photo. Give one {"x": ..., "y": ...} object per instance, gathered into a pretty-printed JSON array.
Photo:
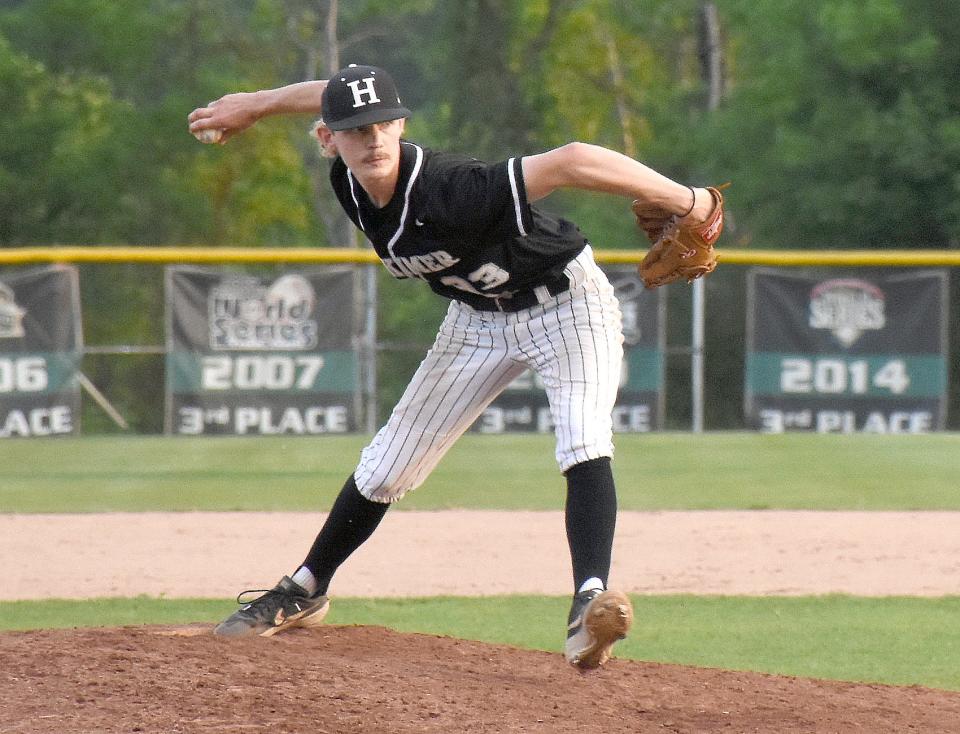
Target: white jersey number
[{"x": 487, "y": 276}]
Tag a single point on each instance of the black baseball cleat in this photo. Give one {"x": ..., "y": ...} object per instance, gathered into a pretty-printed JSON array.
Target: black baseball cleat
[
  {"x": 598, "y": 618},
  {"x": 286, "y": 606}
]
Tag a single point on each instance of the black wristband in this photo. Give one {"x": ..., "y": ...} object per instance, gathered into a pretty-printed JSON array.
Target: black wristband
[{"x": 692, "y": 203}]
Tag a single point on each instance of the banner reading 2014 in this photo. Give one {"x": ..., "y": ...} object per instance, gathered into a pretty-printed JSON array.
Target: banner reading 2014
[
  {"x": 260, "y": 355},
  {"x": 847, "y": 353},
  {"x": 41, "y": 344}
]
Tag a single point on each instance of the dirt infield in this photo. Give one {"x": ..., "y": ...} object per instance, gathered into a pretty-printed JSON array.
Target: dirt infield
[
  {"x": 368, "y": 679},
  {"x": 207, "y": 554}
]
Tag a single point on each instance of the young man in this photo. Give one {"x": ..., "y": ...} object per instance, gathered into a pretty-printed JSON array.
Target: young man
[{"x": 524, "y": 293}]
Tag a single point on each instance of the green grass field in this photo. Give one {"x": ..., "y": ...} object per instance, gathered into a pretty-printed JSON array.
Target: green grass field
[
  {"x": 892, "y": 640},
  {"x": 663, "y": 471}
]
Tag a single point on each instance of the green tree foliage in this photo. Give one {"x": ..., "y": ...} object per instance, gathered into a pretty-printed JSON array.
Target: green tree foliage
[
  {"x": 841, "y": 126},
  {"x": 130, "y": 172},
  {"x": 52, "y": 122},
  {"x": 476, "y": 103},
  {"x": 619, "y": 73}
]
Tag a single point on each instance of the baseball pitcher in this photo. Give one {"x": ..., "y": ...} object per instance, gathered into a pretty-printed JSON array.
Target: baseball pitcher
[{"x": 524, "y": 293}]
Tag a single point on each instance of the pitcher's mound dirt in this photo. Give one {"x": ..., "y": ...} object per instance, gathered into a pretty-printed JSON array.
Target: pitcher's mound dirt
[{"x": 368, "y": 679}]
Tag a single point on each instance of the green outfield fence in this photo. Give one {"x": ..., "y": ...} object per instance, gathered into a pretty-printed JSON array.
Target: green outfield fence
[{"x": 723, "y": 408}]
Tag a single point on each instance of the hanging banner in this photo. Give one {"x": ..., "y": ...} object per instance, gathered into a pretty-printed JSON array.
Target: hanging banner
[
  {"x": 253, "y": 355},
  {"x": 846, "y": 354},
  {"x": 523, "y": 406},
  {"x": 41, "y": 344}
]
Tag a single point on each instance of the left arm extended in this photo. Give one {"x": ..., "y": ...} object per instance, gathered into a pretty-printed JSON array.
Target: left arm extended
[{"x": 594, "y": 168}]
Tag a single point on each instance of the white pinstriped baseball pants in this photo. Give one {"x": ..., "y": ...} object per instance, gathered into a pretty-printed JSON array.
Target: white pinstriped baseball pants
[{"x": 574, "y": 342}]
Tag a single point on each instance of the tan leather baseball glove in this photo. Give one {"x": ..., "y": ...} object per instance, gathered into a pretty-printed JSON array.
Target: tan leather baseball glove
[{"x": 679, "y": 250}]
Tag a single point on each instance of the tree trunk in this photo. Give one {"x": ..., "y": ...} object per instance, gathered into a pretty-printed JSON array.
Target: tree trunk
[
  {"x": 340, "y": 230},
  {"x": 623, "y": 108},
  {"x": 711, "y": 53}
]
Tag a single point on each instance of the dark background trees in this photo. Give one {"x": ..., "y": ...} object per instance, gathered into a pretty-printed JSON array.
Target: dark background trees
[{"x": 836, "y": 120}]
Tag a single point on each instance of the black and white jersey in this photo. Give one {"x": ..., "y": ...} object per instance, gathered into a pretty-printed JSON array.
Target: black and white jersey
[{"x": 462, "y": 225}]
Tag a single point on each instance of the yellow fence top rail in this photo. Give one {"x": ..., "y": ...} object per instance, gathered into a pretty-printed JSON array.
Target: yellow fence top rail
[
  {"x": 811, "y": 257},
  {"x": 171, "y": 255}
]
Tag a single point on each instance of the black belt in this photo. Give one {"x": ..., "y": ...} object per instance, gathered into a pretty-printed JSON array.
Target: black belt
[{"x": 519, "y": 300}]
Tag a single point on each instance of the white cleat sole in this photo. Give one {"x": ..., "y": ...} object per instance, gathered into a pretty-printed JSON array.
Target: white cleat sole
[
  {"x": 607, "y": 619},
  {"x": 313, "y": 618}
]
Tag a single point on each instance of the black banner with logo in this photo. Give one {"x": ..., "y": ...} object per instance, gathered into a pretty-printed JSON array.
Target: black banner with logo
[
  {"x": 256, "y": 355},
  {"x": 523, "y": 406},
  {"x": 847, "y": 353},
  {"x": 41, "y": 344}
]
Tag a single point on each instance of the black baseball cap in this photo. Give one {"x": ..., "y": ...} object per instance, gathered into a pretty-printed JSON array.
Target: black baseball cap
[{"x": 358, "y": 96}]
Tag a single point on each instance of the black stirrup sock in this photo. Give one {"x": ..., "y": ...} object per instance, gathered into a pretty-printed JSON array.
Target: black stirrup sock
[
  {"x": 352, "y": 520},
  {"x": 591, "y": 515}
]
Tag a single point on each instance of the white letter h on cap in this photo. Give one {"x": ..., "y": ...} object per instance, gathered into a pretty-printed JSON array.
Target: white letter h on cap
[{"x": 367, "y": 89}]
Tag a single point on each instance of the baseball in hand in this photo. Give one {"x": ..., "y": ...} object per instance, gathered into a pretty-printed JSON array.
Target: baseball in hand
[{"x": 211, "y": 135}]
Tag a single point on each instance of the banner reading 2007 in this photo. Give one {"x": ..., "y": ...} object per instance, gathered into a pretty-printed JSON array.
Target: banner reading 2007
[
  {"x": 847, "y": 353},
  {"x": 256, "y": 355},
  {"x": 40, "y": 349}
]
